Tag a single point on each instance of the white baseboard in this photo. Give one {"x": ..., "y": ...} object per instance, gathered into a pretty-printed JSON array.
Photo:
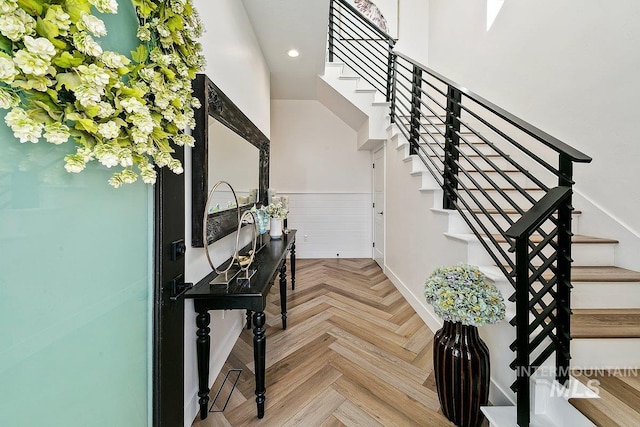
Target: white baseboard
[
  {"x": 224, "y": 349},
  {"x": 430, "y": 319}
]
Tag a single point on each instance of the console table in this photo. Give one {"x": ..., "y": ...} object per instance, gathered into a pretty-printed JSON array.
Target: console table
[{"x": 252, "y": 296}]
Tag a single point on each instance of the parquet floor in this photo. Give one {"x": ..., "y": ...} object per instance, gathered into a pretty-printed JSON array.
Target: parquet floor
[{"x": 354, "y": 354}]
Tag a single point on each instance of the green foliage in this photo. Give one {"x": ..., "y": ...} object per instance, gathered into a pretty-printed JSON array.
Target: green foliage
[
  {"x": 60, "y": 85},
  {"x": 462, "y": 294}
]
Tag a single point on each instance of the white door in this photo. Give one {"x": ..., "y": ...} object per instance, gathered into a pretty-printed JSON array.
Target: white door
[{"x": 378, "y": 206}]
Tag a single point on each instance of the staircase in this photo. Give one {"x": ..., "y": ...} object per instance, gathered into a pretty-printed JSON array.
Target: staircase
[{"x": 605, "y": 325}]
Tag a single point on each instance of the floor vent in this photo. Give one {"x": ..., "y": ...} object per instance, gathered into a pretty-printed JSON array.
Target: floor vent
[{"x": 226, "y": 390}]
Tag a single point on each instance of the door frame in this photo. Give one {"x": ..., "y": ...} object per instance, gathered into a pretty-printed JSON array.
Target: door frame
[
  {"x": 375, "y": 209},
  {"x": 168, "y": 311}
]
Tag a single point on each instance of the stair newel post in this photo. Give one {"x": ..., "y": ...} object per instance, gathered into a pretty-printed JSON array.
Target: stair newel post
[
  {"x": 522, "y": 331},
  {"x": 416, "y": 93},
  {"x": 451, "y": 145},
  {"x": 563, "y": 327},
  {"x": 331, "y": 14},
  {"x": 390, "y": 69},
  {"x": 394, "y": 77}
]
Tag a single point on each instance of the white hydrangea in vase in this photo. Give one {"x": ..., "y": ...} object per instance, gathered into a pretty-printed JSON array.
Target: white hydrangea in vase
[{"x": 277, "y": 212}]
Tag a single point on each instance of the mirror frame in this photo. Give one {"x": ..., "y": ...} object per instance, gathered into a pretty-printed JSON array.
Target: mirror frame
[{"x": 216, "y": 104}]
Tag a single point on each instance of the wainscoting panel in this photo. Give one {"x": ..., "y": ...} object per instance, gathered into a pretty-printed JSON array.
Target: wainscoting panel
[{"x": 331, "y": 225}]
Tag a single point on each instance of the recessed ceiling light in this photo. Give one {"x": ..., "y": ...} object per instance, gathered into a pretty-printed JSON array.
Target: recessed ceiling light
[{"x": 293, "y": 53}]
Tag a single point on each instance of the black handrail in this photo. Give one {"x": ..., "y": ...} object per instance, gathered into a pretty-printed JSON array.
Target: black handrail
[{"x": 462, "y": 138}]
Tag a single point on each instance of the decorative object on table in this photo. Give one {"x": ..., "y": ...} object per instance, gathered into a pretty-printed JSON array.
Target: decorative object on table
[
  {"x": 59, "y": 83},
  {"x": 262, "y": 219},
  {"x": 226, "y": 275},
  {"x": 461, "y": 296},
  {"x": 285, "y": 203},
  {"x": 245, "y": 260},
  {"x": 277, "y": 213}
]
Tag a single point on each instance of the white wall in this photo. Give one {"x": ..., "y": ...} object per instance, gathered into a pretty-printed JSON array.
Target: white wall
[
  {"x": 235, "y": 62},
  {"x": 568, "y": 67},
  {"x": 414, "y": 29},
  {"x": 314, "y": 160},
  {"x": 236, "y": 65}
]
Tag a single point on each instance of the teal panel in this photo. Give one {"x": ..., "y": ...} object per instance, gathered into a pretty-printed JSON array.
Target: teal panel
[{"x": 74, "y": 284}]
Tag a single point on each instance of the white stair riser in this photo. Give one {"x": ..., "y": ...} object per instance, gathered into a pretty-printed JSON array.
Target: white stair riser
[
  {"x": 583, "y": 254},
  {"x": 333, "y": 70},
  {"x": 605, "y": 295},
  {"x": 495, "y": 177},
  {"x": 481, "y": 164},
  {"x": 347, "y": 87},
  {"x": 504, "y": 224},
  {"x": 432, "y": 134},
  {"x": 509, "y": 200},
  {"x": 465, "y": 148},
  {"x": 428, "y": 182},
  {"x": 550, "y": 399},
  {"x": 605, "y": 353}
]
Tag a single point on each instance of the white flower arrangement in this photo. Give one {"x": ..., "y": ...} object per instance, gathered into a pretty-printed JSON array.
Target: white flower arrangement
[
  {"x": 59, "y": 84},
  {"x": 276, "y": 210},
  {"x": 461, "y": 294}
]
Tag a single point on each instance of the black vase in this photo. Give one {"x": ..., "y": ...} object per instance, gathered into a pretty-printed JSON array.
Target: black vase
[{"x": 461, "y": 366}]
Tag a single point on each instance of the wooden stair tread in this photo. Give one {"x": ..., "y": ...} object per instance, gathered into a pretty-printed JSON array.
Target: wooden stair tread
[
  {"x": 598, "y": 274},
  {"x": 471, "y": 155},
  {"x": 603, "y": 274},
  {"x": 509, "y": 211},
  {"x": 577, "y": 238},
  {"x": 506, "y": 189},
  {"x": 605, "y": 323},
  {"x": 461, "y": 133},
  {"x": 494, "y": 170},
  {"x": 619, "y": 397}
]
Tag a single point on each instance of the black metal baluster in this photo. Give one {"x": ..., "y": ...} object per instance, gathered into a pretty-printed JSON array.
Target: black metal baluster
[
  {"x": 390, "y": 67},
  {"x": 451, "y": 146},
  {"x": 563, "y": 326},
  {"x": 331, "y": 36},
  {"x": 416, "y": 93},
  {"x": 394, "y": 79},
  {"x": 522, "y": 330}
]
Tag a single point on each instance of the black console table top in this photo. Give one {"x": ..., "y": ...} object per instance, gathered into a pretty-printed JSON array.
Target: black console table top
[
  {"x": 239, "y": 295},
  {"x": 252, "y": 296}
]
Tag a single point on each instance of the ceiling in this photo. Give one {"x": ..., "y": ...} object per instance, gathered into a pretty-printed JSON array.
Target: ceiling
[{"x": 281, "y": 25}]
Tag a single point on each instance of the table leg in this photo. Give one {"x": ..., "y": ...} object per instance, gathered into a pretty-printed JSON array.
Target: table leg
[
  {"x": 283, "y": 293},
  {"x": 293, "y": 265},
  {"x": 203, "y": 347},
  {"x": 259, "y": 358},
  {"x": 249, "y": 319}
]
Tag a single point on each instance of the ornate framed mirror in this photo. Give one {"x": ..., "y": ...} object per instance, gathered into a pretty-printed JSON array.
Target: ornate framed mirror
[{"x": 230, "y": 147}]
